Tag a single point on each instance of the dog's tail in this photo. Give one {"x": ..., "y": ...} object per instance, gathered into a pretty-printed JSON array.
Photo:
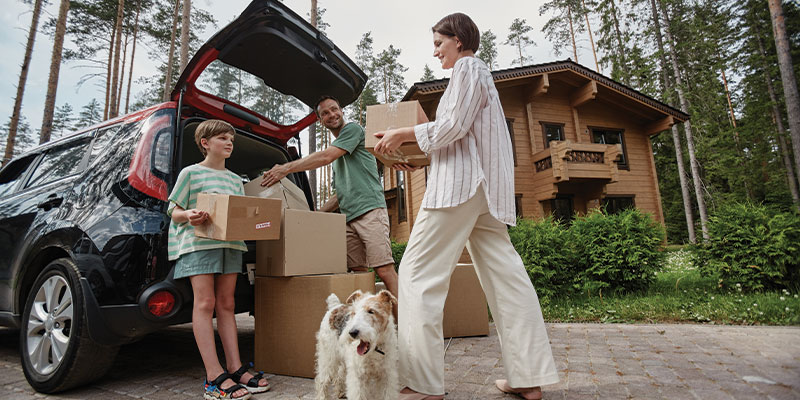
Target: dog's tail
[{"x": 333, "y": 301}]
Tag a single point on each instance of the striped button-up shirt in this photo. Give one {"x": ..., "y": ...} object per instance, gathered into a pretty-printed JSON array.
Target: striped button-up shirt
[{"x": 469, "y": 145}]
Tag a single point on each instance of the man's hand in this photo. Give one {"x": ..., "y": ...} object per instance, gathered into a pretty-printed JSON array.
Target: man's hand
[
  {"x": 274, "y": 175},
  {"x": 196, "y": 217}
]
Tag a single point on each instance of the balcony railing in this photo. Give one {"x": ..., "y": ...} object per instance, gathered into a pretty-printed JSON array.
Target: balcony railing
[{"x": 567, "y": 160}]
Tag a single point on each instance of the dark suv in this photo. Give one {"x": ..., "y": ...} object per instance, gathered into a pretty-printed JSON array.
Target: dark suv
[{"x": 83, "y": 227}]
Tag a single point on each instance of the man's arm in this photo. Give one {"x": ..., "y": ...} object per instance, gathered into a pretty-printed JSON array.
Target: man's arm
[
  {"x": 331, "y": 205},
  {"x": 311, "y": 161}
]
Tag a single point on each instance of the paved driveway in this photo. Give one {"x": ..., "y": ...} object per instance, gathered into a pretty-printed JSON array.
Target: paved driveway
[{"x": 595, "y": 362}]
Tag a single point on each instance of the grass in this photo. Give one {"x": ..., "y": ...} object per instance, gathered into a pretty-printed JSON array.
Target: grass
[{"x": 678, "y": 295}]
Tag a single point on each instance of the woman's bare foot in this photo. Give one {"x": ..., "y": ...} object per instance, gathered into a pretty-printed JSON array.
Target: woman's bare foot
[{"x": 532, "y": 393}]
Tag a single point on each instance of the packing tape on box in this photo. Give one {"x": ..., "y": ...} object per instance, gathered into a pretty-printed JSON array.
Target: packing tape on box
[{"x": 402, "y": 158}]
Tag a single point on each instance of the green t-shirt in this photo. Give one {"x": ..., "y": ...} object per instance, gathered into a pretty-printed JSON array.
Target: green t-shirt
[
  {"x": 355, "y": 174},
  {"x": 193, "y": 180}
]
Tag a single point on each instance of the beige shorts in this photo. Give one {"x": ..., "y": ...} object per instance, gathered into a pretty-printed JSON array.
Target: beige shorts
[{"x": 368, "y": 243}]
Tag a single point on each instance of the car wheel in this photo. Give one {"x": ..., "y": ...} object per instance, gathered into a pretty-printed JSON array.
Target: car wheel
[{"x": 57, "y": 352}]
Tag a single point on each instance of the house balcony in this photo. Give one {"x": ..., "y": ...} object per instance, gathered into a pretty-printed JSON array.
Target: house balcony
[{"x": 565, "y": 167}]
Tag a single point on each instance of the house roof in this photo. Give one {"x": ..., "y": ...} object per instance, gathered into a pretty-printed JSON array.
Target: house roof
[{"x": 438, "y": 85}]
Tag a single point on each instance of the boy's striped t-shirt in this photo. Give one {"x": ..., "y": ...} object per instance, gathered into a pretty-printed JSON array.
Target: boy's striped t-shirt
[{"x": 193, "y": 180}]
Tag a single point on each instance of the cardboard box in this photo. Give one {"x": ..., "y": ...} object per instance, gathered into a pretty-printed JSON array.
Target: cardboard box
[
  {"x": 465, "y": 310},
  {"x": 381, "y": 117},
  {"x": 239, "y": 217},
  {"x": 292, "y": 196},
  {"x": 288, "y": 312},
  {"x": 310, "y": 243}
]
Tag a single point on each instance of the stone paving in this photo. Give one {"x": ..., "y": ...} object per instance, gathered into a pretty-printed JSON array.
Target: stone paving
[{"x": 595, "y": 361}]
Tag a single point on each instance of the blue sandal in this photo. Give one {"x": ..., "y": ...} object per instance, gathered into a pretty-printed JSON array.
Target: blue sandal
[
  {"x": 213, "y": 390},
  {"x": 252, "y": 384}
]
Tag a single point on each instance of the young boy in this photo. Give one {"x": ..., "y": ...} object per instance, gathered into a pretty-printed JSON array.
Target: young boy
[{"x": 211, "y": 265}]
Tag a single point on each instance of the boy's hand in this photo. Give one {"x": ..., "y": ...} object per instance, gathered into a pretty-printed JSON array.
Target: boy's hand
[{"x": 196, "y": 217}]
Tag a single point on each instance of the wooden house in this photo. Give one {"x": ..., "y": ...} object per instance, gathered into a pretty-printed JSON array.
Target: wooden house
[{"x": 580, "y": 139}]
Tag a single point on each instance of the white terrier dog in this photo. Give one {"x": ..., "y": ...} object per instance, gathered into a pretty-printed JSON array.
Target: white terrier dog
[{"x": 357, "y": 345}]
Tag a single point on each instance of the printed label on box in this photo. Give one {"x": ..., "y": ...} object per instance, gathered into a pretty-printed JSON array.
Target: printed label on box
[{"x": 263, "y": 225}]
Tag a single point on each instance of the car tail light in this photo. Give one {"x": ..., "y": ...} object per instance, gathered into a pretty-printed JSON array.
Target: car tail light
[
  {"x": 161, "y": 303},
  {"x": 150, "y": 164}
]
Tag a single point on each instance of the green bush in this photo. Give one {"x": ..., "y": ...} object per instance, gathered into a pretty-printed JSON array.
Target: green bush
[
  {"x": 397, "y": 252},
  {"x": 548, "y": 254},
  {"x": 752, "y": 247},
  {"x": 617, "y": 252}
]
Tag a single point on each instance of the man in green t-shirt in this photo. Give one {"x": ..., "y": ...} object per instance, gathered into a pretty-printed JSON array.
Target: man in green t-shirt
[{"x": 359, "y": 193}]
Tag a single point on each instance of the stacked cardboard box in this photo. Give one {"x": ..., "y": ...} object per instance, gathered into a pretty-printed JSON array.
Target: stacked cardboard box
[
  {"x": 288, "y": 315},
  {"x": 382, "y": 117},
  {"x": 293, "y": 277},
  {"x": 465, "y": 310}
]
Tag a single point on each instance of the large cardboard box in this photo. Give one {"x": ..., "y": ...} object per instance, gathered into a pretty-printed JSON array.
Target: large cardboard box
[
  {"x": 381, "y": 117},
  {"x": 310, "y": 243},
  {"x": 288, "y": 312},
  {"x": 465, "y": 310},
  {"x": 290, "y": 194},
  {"x": 239, "y": 217}
]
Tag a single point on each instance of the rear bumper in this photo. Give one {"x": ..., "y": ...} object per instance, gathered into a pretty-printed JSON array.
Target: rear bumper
[{"x": 119, "y": 324}]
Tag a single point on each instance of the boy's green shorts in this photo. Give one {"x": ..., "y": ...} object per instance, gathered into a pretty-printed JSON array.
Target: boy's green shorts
[{"x": 214, "y": 261}]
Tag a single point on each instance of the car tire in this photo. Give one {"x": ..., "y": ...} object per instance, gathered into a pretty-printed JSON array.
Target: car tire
[{"x": 56, "y": 350}]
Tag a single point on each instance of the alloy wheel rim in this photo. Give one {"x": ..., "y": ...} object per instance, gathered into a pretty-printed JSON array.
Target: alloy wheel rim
[{"x": 50, "y": 325}]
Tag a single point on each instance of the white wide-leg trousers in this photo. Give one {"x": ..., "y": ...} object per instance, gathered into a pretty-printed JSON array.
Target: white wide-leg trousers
[{"x": 438, "y": 237}]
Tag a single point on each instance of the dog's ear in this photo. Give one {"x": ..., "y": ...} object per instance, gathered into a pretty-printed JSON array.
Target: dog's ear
[
  {"x": 355, "y": 296},
  {"x": 387, "y": 297}
]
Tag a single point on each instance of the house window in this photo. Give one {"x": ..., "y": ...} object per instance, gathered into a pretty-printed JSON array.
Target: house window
[
  {"x": 616, "y": 204},
  {"x": 401, "y": 196},
  {"x": 612, "y": 136},
  {"x": 510, "y": 124},
  {"x": 518, "y": 204},
  {"x": 551, "y": 132},
  {"x": 561, "y": 207}
]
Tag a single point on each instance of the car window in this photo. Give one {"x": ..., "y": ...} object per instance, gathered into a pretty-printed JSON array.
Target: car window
[
  {"x": 242, "y": 88},
  {"x": 11, "y": 175},
  {"x": 59, "y": 162},
  {"x": 101, "y": 140}
]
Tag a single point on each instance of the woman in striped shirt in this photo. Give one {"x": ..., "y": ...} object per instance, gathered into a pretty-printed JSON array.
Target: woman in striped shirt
[{"x": 469, "y": 200}]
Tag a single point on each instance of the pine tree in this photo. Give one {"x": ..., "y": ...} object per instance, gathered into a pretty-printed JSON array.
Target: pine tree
[
  {"x": 63, "y": 121},
  {"x": 389, "y": 73},
  {"x": 555, "y": 30},
  {"x": 25, "y": 137},
  {"x": 365, "y": 59},
  {"x": 790, "y": 91},
  {"x": 90, "y": 114},
  {"x": 487, "y": 49},
  {"x": 427, "y": 74},
  {"x": 518, "y": 37},
  {"x": 55, "y": 68},
  {"x": 11, "y": 132}
]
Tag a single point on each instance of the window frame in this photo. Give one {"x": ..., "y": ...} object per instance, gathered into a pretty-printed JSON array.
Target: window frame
[
  {"x": 510, "y": 126},
  {"x": 621, "y": 165},
  {"x": 18, "y": 186},
  {"x": 544, "y": 124},
  {"x": 614, "y": 197},
  {"x": 84, "y": 141},
  {"x": 402, "y": 215}
]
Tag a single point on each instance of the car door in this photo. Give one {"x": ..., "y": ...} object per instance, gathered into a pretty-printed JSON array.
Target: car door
[
  {"x": 36, "y": 198},
  {"x": 271, "y": 42}
]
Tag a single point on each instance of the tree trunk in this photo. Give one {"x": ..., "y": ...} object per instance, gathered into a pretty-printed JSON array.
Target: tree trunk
[
  {"x": 572, "y": 32},
  {"x": 776, "y": 116},
  {"x": 106, "y": 107},
  {"x": 55, "y": 68},
  {"x": 122, "y": 74},
  {"x": 790, "y": 92},
  {"x": 676, "y": 137},
  {"x": 620, "y": 47},
  {"x": 695, "y": 167},
  {"x": 171, "y": 55},
  {"x": 185, "y": 19},
  {"x": 312, "y": 130},
  {"x": 113, "y": 110},
  {"x": 23, "y": 77},
  {"x": 591, "y": 39},
  {"x": 133, "y": 53},
  {"x": 735, "y": 131}
]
